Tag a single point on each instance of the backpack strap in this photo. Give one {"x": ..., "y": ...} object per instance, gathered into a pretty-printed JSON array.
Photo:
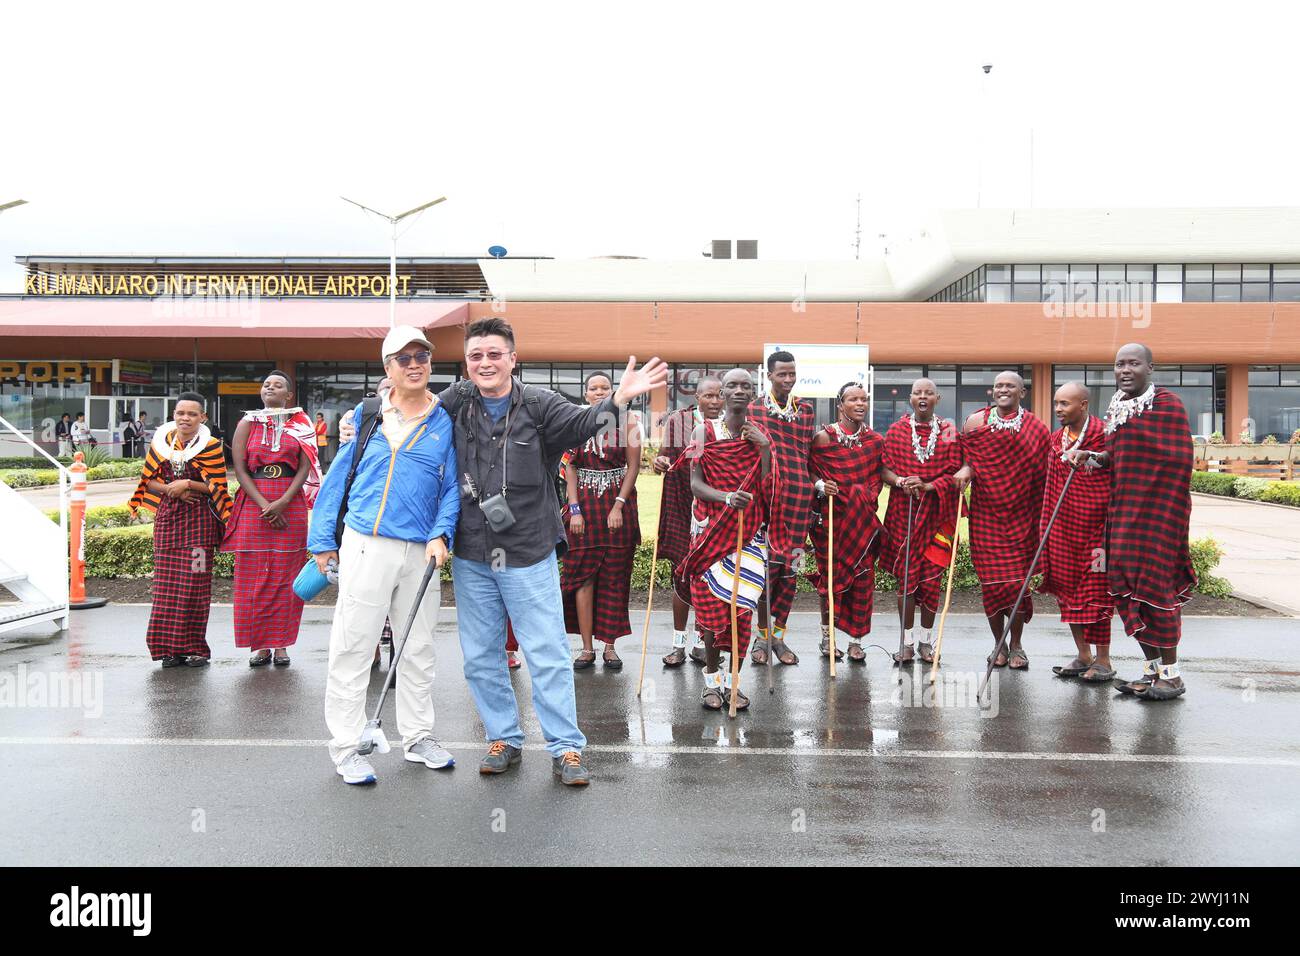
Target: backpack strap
[{"x": 366, "y": 429}]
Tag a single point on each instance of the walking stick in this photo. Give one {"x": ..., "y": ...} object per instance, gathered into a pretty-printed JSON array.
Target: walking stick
[
  {"x": 767, "y": 601},
  {"x": 735, "y": 630},
  {"x": 645, "y": 631},
  {"x": 830, "y": 572},
  {"x": 902, "y": 604},
  {"x": 988, "y": 672},
  {"x": 947, "y": 597}
]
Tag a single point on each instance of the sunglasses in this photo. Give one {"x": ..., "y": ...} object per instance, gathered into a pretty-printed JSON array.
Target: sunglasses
[
  {"x": 419, "y": 358},
  {"x": 495, "y": 355}
]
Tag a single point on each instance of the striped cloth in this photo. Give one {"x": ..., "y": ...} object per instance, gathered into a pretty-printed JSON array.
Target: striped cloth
[{"x": 209, "y": 460}]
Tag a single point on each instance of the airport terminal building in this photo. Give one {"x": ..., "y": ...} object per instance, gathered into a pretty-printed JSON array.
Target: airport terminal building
[{"x": 1215, "y": 293}]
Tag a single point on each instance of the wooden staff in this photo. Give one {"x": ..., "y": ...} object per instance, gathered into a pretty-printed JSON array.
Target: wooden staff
[
  {"x": 735, "y": 628},
  {"x": 947, "y": 597},
  {"x": 830, "y": 571},
  {"x": 645, "y": 631}
]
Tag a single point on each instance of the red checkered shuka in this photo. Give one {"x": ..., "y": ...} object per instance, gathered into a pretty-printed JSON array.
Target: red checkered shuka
[
  {"x": 185, "y": 536},
  {"x": 1147, "y": 556},
  {"x": 246, "y": 530},
  {"x": 856, "y": 471},
  {"x": 1072, "y": 564},
  {"x": 609, "y": 570},
  {"x": 791, "y": 440},
  {"x": 675, "y": 505},
  {"x": 731, "y": 464},
  {"x": 1007, "y": 472},
  {"x": 934, "y": 512}
]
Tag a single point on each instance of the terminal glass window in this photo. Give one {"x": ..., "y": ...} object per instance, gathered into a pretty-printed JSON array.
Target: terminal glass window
[{"x": 1274, "y": 397}]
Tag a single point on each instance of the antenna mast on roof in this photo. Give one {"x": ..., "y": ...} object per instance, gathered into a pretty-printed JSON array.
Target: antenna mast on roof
[{"x": 857, "y": 233}]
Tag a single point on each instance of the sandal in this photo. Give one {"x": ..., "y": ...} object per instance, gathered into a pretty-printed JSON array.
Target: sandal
[
  {"x": 716, "y": 694},
  {"x": 675, "y": 658},
  {"x": 1133, "y": 686},
  {"x": 1074, "y": 668},
  {"x": 1101, "y": 674},
  {"x": 925, "y": 652},
  {"x": 991, "y": 657},
  {"x": 697, "y": 654},
  {"x": 1157, "y": 692},
  {"x": 906, "y": 656},
  {"x": 782, "y": 651},
  {"x": 1018, "y": 654},
  {"x": 281, "y": 660},
  {"x": 614, "y": 663},
  {"x": 857, "y": 652},
  {"x": 261, "y": 658},
  {"x": 758, "y": 651},
  {"x": 582, "y": 661},
  {"x": 826, "y": 649},
  {"x": 742, "y": 702}
]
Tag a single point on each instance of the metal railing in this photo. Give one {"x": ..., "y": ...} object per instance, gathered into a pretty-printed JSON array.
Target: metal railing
[{"x": 26, "y": 545}]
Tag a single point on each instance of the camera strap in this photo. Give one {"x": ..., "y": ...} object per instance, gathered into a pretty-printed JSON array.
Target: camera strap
[{"x": 475, "y": 490}]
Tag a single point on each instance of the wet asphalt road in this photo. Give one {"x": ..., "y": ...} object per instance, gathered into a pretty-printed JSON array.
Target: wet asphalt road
[{"x": 227, "y": 765}]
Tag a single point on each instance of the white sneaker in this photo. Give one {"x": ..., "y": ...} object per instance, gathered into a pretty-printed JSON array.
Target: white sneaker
[
  {"x": 427, "y": 751},
  {"x": 355, "y": 768}
]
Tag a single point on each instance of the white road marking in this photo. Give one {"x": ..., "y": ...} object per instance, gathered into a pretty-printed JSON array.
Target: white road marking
[{"x": 675, "y": 750}]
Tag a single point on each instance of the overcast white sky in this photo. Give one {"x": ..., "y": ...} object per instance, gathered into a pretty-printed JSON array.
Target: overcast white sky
[{"x": 584, "y": 129}]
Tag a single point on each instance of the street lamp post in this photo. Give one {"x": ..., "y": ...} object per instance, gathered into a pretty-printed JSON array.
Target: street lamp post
[
  {"x": 392, "y": 259},
  {"x": 11, "y": 205}
]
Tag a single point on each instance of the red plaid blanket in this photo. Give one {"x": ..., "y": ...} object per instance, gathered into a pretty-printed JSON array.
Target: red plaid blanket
[
  {"x": 1072, "y": 564},
  {"x": 790, "y": 443},
  {"x": 675, "y": 505},
  {"x": 1008, "y": 469},
  {"x": 856, "y": 470},
  {"x": 935, "y": 512},
  {"x": 1151, "y": 505}
]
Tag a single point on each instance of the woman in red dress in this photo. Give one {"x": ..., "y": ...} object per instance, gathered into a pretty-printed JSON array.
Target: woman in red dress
[
  {"x": 274, "y": 456},
  {"x": 603, "y": 532}
]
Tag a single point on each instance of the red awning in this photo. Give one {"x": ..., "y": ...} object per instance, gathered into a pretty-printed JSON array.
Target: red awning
[{"x": 198, "y": 317}]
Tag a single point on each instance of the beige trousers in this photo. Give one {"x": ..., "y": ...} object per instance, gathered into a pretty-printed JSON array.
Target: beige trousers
[{"x": 379, "y": 578}]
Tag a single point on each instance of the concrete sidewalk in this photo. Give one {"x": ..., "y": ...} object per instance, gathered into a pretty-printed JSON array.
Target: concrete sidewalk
[{"x": 1261, "y": 548}]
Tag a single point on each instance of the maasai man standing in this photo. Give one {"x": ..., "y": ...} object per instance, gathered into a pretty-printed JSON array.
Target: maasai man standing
[
  {"x": 273, "y": 454},
  {"x": 847, "y": 461},
  {"x": 791, "y": 424},
  {"x": 734, "y": 477},
  {"x": 1006, "y": 450},
  {"x": 183, "y": 481},
  {"x": 1149, "y": 451},
  {"x": 924, "y": 456},
  {"x": 675, "y": 505},
  {"x": 1073, "y": 563},
  {"x": 603, "y": 531}
]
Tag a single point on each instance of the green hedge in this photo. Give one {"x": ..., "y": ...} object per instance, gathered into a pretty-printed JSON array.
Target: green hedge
[
  {"x": 1247, "y": 488},
  {"x": 36, "y": 477},
  {"x": 127, "y": 552}
]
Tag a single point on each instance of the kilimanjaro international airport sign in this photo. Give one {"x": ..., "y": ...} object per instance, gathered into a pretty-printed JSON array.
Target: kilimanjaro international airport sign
[{"x": 213, "y": 284}]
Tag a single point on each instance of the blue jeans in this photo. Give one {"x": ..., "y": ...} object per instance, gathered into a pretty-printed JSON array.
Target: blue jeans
[{"x": 531, "y": 598}]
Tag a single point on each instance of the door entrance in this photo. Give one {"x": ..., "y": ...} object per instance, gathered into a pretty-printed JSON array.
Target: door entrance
[{"x": 107, "y": 414}]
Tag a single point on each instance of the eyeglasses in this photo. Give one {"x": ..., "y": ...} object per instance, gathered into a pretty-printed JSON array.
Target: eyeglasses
[
  {"x": 496, "y": 355},
  {"x": 419, "y": 358}
]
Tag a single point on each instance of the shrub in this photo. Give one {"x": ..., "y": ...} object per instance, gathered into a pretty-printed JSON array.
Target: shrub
[
  {"x": 1282, "y": 493},
  {"x": 1295, "y": 437},
  {"x": 1212, "y": 483},
  {"x": 1216, "y": 438},
  {"x": 93, "y": 455},
  {"x": 1206, "y": 554},
  {"x": 1245, "y": 438},
  {"x": 1269, "y": 440},
  {"x": 1248, "y": 488}
]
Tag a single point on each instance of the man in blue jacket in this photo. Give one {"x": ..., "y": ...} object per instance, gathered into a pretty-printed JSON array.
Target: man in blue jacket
[{"x": 401, "y": 513}]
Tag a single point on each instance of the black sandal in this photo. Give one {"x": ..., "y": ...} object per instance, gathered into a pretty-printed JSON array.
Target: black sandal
[
  {"x": 716, "y": 693},
  {"x": 925, "y": 652},
  {"x": 781, "y": 649},
  {"x": 582, "y": 661},
  {"x": 261, "y": 658},
  {"x": 1072, "y": 669},
  {"x": 826, "y": 649},
  {"x": 284, "y": 661},
  {"x": 675, "y": 658},
  {"x": 614, "y": 663},
  {"x": 742, "y": 702},
  {"x": 861, "y": 656},
  {"x": 756, "y": 648},
  {"x": 697, "y": 654}
]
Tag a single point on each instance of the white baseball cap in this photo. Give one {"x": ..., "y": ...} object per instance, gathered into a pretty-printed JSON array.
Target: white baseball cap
[{"x": 399, "y": 337}]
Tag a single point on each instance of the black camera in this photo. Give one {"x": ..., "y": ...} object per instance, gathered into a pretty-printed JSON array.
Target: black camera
[{"x": 497, "y": 512}]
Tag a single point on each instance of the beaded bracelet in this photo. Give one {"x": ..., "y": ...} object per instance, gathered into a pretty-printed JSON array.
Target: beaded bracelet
[{"x": 574, "y": 510}]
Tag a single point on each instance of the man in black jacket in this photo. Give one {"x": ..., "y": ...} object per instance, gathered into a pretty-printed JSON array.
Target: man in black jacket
[{"x": 509, "y": 438}]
